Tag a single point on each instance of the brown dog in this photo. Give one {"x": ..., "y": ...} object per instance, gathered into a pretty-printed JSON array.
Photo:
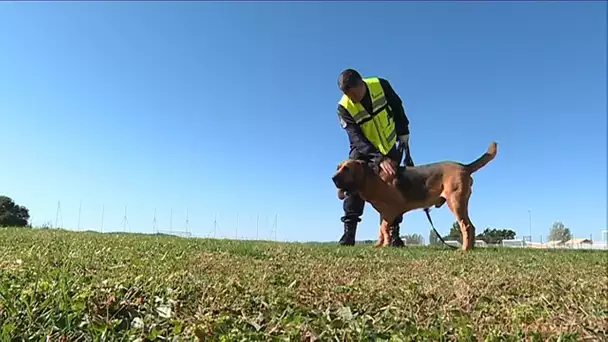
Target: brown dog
[{"x": 413, "y": 188}]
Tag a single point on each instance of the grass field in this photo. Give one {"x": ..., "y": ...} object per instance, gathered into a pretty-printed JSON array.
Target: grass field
[{"x": 89, "y": 286}]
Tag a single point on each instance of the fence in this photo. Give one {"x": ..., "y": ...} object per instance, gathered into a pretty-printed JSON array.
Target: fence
[
  {"x": 266, "y": 227},
  {"x": 517, "y": 243},
  {"x": 185, "y": 223},
  {"x": 571, "y": 244}
]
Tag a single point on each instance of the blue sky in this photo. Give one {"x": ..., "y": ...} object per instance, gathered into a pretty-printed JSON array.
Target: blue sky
[{"x": 230, "y": 109}]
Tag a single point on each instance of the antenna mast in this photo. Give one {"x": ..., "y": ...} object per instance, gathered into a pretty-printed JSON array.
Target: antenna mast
[
  {"x": 79, "y": 212},
  {"x": 154, "y": 225},
  {"x": 257, "y": 227},
  {"x": 187, "y": 232},
  {"x": 125, "y": 221},
  {"x": 58, "y": 215},
  {"x": 275, "y": 227},
  {"x": 214, "y": 225},
  {"x": 171, "y": 222},
  {"x": 103, "y": 208}
]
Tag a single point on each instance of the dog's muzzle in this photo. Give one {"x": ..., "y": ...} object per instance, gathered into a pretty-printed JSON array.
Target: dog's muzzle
[
  {"x": 344, "y": 188},
  {"x": 337, "y": 179},
  {"x": 341, "y": 184}
]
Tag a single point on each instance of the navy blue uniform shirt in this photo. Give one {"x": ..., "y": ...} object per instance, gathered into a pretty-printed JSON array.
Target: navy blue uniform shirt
[{"x": 360, "y": 146}]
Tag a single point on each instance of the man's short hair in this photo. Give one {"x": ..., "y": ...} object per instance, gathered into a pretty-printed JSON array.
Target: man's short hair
[{"x": 348, "y": 79}]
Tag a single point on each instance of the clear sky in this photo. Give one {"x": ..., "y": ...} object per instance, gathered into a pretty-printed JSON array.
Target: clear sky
[{"x": 226, "y": 108}]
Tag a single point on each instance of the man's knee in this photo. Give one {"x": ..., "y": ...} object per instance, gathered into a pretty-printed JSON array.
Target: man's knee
[{"x": 353, "y": 202}]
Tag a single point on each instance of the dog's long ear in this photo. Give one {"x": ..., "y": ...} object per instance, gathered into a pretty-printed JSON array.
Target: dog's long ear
[
  {"x": 359, "y": 172},
  {"x": 341, "y": 194}
]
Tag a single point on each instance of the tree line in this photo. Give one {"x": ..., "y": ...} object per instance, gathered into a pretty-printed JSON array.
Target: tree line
[{"x": 558, "y": 232}]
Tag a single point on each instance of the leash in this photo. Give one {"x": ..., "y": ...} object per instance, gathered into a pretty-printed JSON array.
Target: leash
[
  {"x": 428, "y": 216},
  {"x": 427, "y": 211}
]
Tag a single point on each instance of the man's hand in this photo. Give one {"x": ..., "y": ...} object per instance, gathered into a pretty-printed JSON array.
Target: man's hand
[
  {"x": 387, "y": 172},
  {"x": 404, "y": 149},
  {"x": 405, "y": 140}
]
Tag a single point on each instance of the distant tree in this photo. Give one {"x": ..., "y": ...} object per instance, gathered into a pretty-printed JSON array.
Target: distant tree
[
  {"x": 559, "y": 232},
  {"x": 11, "y": 214},
  {"x": 454, "y": 233},
  {"x": 413, "y": 239},
  {"x": 433, "y": 239},
  {"x": 495, "y": 236}
]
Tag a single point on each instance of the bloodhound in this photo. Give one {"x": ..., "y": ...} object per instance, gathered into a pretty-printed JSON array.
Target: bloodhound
[{"x": 413, "y": 188}]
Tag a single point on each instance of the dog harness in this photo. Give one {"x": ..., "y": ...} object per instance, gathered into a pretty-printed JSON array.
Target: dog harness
[{"x": 378, "y": 127}]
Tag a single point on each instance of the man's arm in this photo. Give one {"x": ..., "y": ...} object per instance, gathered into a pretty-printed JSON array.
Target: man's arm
[
  {"x": 356, "y": 137},
  {"x": 401, "y": 121}
]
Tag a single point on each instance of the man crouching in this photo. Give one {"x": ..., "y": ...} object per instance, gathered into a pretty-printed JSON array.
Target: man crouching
[{"x": 372, "y": 114}]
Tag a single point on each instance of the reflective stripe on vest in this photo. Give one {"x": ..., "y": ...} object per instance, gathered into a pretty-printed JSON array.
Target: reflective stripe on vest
[{"x": 377, "y": 126}]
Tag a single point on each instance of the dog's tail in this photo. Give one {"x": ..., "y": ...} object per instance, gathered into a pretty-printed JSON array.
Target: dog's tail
[{"x": 484, "y": 159}]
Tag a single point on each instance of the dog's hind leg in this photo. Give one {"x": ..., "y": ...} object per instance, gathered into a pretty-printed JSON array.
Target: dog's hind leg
[{"x": 458, "y": 202}]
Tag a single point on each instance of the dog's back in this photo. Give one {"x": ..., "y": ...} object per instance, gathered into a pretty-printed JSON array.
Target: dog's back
[{"x": 414, "y": 181}]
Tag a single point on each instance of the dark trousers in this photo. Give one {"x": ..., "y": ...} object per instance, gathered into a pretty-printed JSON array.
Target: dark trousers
[{"x": 353, "y": 210}]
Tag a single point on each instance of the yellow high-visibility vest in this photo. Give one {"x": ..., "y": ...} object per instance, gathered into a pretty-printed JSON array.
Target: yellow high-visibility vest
[{"x": 378, "y": 127}]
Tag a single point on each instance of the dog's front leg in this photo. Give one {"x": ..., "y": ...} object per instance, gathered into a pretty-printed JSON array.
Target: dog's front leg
[{"x": 384, "y": 237}]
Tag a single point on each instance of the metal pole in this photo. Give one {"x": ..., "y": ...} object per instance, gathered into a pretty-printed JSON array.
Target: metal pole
[
  {"x": 530, "y": 222},
  {"x": 187, "y": 232},
  {"x": 276, "y": 226},
  {"x": 103, "y": 208},
  {"x": 58, "y": 215},
  {"x": 79, "y": 211},
  {"x": 124, "y": 221},
  {"x": 154, "y": 224}
]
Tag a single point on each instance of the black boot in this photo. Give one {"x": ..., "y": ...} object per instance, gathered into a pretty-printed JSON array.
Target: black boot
[
  {"x": 395, "y": 238},
  {"x": 348, "y": 238}
]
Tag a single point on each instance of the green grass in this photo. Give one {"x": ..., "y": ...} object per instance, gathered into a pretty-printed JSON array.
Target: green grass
[{"x": 89, "y": 286}]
